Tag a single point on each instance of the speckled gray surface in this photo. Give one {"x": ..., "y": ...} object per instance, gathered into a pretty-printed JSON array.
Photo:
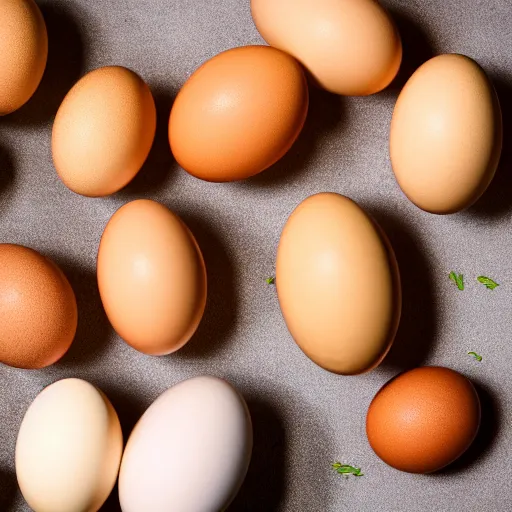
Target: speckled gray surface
[{"x": 304, "y": 417}]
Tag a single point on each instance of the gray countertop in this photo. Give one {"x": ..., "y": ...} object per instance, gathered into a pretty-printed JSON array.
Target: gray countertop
[{"x": 304, "y": 417}]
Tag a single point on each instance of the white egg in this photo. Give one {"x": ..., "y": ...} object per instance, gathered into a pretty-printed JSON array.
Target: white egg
[
  {"x": 189, "y": 452},
  {"x": 69, "y": 449}
]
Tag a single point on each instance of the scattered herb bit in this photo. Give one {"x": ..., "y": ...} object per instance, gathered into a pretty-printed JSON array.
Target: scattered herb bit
[
  {"x": 475, "y": 355},
  {"x": 458, "y": 280},
  {"x": 271, "y": 280},
  {"x": 488, "y": 282},
  {"x": 345, "y": 469}
]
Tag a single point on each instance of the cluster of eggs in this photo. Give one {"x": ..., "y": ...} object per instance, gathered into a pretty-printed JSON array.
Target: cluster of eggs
[{"x": 235, "y": 116}]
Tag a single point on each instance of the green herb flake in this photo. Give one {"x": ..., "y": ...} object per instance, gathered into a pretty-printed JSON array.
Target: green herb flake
[
  {"x": 457, "y": 279},
  {"x": 475, "y": 355},
  {"x": 345, "y": 469},
  {"x": 270, "y": 280},
  {"x": 487, "y": 282}
]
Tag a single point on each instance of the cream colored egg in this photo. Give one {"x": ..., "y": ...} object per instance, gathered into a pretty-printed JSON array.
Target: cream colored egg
[
  {"x": 69, "y": 449},
  {"x": 23, "y": 52},
  {"x": 446, "y": 134},
  {"x": 189, "y": 452},
  {"x": 151, "y": 277},
  {"x": 103, "y": 131},
  {"x": 338, "y": 284},
  {"x": 350, "y": 47}
]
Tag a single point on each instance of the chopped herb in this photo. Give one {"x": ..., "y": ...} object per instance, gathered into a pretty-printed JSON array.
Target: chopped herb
[
  {"x": 475, "y": 355},
  {"x": 457, "y": 279},
  {"x": 488, "y": 282},
  {"x": 271, "y": 280},
  {"x": 345, "y": 469}
]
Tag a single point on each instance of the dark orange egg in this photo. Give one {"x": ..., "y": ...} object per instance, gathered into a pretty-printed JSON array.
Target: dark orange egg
[
  {"x": 424, "y": 419},
  {"x": 238, "y": 114},
  {"x": 38, "y": 313}
]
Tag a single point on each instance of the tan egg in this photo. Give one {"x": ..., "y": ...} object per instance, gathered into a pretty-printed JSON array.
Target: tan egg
[
  {"x": 350, "y": 47},
  {"x": 103, "y": 131},
  {"x": 338, "y": 284},
  {"x": 238, "y": 113},
  {"x": 23, "y": 52},
  {"x": 38, "y": 312},
  {"x": 424, "y": 419},
  {"x": 446, "y": 134},
  {"x": 68, "y": 449},
  {"x": 151, "y": 277}
]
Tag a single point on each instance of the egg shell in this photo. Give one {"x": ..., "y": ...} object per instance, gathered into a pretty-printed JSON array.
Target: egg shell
[
  {"x": 338, "y": 284},
  {"x": 69, "y": 449},
  {"x": 103, "y": 131},
  {"x": 424, "y": 419},
  {"x": 189, "y": 452},
  {"x": 350, "y": 47},
  {"x": 38, "y": 311},
  {"x": 23, "y": 52},
  {"x": 151, "y": 277},
  {"x": 238, "y": 114},
  {"x": 446, "y": 134}
]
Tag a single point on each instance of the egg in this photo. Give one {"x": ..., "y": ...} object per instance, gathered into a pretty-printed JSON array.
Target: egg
[
  {"x": 151, "y": 277},
  {"x": 338, "y": 284},
  {"x": 23, "y": 52},
  {"x": 38, "y": 311},
  {"x": 103, "y": 131},
  {"x": 189, "y": 452},
  {"x": 238, "y": 113},
  {"x": 69, "y": 449},
  {"x": 424, "y": 419},
  {"x": 446, "y": 134},
  {"x": 349, "y": 47}
]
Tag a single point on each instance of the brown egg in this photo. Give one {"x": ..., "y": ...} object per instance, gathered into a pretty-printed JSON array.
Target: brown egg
[
  {"x": 238, "y": 113},
  {"x": 424, "y": 419},
  {"x": 446, "y": 134},
  {"x": 151, "y": 277},
  {"x": 23, "y": 52},
  {"x": 103, "y": 131},
  {"x": 350, "y": 47},
  {"x": 338, "y": 284},
  {"x": 38, "y": 311}
]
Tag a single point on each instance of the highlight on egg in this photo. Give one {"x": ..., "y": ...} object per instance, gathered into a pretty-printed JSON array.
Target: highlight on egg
[
  {"x": 238, "y": 114},
  {"x": 151, "y": 277},
  {"x": 38, "y": 311},
  {"x": 23, "y": 52},
  {"x": 338, "y": 284},
  {"x": 424, "y": 419},
  {"x": 190, "y": 451},
  {"x": 349, "y": 47},
  {"x": 69, "y": 448},
  {"x": 103, "y": 131},
  {"x": 446, "y": 134}
]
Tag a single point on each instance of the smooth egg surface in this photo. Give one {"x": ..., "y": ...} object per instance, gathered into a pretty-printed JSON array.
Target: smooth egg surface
[
  {"x": 23, "y": 52},
  {"x": 338, "y": 284},
  {"x": 238, "y": 113},
  {"x": 69, "y": 449},
  {"x": 446, "y": 134},
  {"x": 151, "y": 277},
  {"x": 189, "y": 452},
  {"x": 103, "y": 131},
  {"x": 38, "y": 311},
  {"x": 350, "y": 47},
  {"x": 424, "y": 419}
]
